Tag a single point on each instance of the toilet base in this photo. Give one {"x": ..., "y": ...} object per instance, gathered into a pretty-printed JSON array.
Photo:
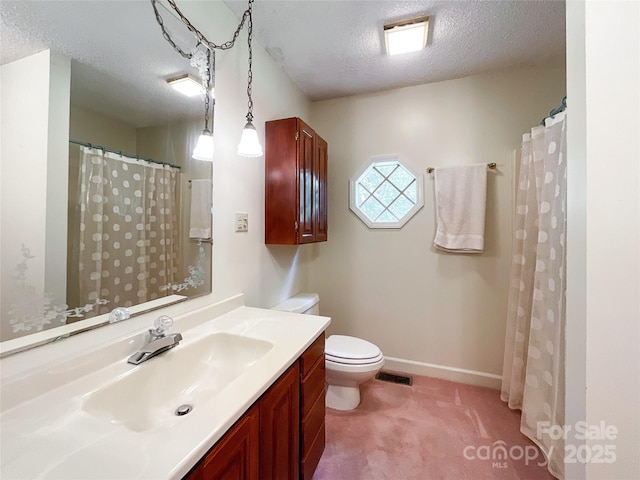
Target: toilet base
[{"x": 342, "y": 398}]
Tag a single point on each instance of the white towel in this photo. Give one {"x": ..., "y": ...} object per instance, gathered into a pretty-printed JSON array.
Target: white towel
[
  {"x": 200, "y": 220},
  {"x": 461, "y": 200}
]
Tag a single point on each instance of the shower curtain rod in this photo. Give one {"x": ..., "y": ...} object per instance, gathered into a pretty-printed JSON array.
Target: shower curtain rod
[
  {"x": 137, "y": 157},
  {"x": 560, "y": 108}
]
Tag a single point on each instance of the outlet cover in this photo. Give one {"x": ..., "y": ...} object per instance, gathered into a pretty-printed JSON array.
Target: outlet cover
[{"x": 242, "y": 222}]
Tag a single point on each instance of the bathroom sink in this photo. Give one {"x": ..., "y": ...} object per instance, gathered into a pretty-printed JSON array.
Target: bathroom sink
[{"x": 147, "y": 396}]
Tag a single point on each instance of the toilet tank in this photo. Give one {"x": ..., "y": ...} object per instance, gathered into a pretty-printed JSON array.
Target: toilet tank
[{"x": 306, "y": 303}]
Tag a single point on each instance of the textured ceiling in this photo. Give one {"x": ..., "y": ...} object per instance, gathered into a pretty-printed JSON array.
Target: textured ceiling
[
  {"x": 336, "y": 48},
  {"x": 120, "y": 62},
  {"x": 328, "y": 48}
]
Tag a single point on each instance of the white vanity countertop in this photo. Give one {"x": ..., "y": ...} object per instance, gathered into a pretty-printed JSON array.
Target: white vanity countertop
[{"x": 49, "y": 435}]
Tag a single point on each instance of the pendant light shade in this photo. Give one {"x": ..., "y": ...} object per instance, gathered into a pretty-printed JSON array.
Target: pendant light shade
[
  {"x": 204, "y": 147},
  {"x": 249, "y": 144}
]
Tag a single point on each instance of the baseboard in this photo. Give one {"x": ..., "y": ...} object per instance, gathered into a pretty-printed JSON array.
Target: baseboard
[{"x": 454, "y": 374}]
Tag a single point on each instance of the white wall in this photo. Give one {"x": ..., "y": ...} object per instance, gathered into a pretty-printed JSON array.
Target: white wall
[
  {"x": 390, "y": 286},
  {"x": 575, "y": 338},
  {"x": 91, "y": 127},
  {"x": 34, "y": 212},
  {"x": 604, "y": 180},
  {"x": 241, "y": 261},
  {"x": 57, "y": 164}
]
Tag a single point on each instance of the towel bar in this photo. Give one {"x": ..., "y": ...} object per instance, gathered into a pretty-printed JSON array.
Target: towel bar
[{"x": 491, "y": 165}]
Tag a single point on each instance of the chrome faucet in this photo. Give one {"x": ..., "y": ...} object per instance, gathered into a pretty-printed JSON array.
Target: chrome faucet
[{"x": 159, "y": 341}]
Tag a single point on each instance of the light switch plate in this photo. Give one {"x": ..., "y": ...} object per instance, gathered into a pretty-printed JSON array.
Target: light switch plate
[{"x": 242, "y": 222}]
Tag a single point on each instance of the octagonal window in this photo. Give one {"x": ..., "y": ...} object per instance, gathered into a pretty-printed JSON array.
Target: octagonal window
[{"x": 386, "y": 194}]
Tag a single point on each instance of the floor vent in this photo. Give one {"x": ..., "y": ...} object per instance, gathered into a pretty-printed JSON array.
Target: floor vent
[{"x": 393, "y": 378}]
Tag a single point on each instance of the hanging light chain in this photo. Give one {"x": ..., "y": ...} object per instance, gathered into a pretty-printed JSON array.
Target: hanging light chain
[
  {"x": 250, "y": 73},
  {"x": 165, "y": 32},
  {"x": 247, "y": 17},
  {"x": 201, "y": 38},
  {"x": 207, "y": 92}
]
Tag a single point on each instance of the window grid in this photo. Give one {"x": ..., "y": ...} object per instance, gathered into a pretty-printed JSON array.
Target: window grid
[{"x": 386, "y": 178}]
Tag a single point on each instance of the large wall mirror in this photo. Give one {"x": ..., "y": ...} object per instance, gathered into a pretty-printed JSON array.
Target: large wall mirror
[{"x": 102, "y": 204}]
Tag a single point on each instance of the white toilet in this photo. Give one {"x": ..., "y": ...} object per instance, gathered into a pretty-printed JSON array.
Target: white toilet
[{"x": 350, "y": 361}]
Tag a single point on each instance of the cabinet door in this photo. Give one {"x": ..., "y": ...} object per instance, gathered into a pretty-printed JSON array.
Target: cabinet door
[
  {"x": 321, "y": 160},
  {"x": 306, "y": 154},
  {"x": 280, "y": 428},
  {"x": 282, "y": 198},
  {"x": 295, "y": 183},
  {"x": 312, "y": 407},
  {"x": 236, "y": 456}
]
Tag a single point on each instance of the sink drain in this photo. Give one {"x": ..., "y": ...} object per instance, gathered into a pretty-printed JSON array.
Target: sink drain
[{"x": 183, "y": 410}]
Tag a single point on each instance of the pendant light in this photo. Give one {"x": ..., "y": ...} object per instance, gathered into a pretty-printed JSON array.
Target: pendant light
[
  {"x": 249, "y": 143},
  {"x": 204, "y": 148}
]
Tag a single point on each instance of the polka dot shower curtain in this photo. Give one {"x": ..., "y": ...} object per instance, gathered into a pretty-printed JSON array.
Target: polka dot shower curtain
[
  {"x": 533, "y": 372},
  {"x": 128, "y": 229}
]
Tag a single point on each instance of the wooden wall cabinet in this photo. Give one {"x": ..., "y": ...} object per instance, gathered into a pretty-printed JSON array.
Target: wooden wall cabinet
[
  {"x": 295, "y": 183},
  {"x": 281, "y": 437}
]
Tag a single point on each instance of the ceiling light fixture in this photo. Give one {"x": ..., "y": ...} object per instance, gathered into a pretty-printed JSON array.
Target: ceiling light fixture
[
  {"x": 406, "y": 36},
  {"x": 186, "y": 84}
]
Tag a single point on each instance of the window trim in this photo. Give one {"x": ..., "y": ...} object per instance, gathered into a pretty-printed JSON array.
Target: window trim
[{"x": 353, "y": 185}]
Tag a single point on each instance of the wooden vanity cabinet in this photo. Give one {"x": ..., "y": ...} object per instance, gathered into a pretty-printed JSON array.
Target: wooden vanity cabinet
[
  {"x": 235, "y": 456},
  {"x": 295, "y": 183},
  {"x": 280, "y": 428},
  {"x": 281, "y": 437},
  {"x": 312, "y": 407}
]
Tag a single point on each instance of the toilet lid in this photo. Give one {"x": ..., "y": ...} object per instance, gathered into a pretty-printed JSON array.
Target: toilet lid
[{"x": 345, "y": 349}]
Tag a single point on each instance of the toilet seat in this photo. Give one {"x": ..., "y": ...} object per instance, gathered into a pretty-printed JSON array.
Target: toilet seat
[{"x": 348, "y": 350}]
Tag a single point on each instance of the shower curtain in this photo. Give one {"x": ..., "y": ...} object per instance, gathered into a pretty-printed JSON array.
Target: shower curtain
[
  {"x": 127, "y": 229},
  {"x": 533, "y": 371}
]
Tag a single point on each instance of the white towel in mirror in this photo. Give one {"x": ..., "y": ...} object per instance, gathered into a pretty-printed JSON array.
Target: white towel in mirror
[{"x": 200, "y": 220}]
